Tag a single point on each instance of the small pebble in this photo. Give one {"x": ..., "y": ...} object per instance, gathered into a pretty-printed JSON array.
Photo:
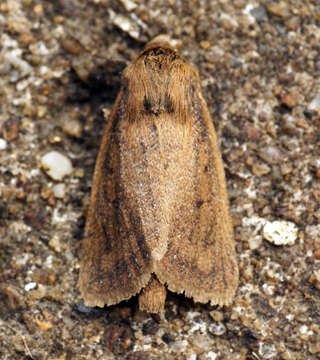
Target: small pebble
[
  {"x": 43, "y": 323},
  {"x": 293, "y": 23},
  {"x": 14, "y": 59},
  {"x": 128, "y": 5},
  {"x": 30, "y": 286},
  {"x": 217, "y": 329},
  {"x": 286, "y": 168},
  {"x": 315, "y": 348},
  {"x": 3, "y": 144},
  {"x": 204, "y": 44},
  {"x": 38, "y": 293},
  {"x": 267, "y": 351},
  {"x": 56, "y": 165},
  {"x": 315, "y": 279},
  {"x": 72, "y": 46},
  {"x": 280, "y": 232},
  {"x": 41, "y": 111},
  {"x": 259, "y": 13},
  {"x": 46, "y": 192},
  {"x": 271, "y": 155},
  {"x": 216, "y": 315},
  {"x": 59, "y": 190},
  {"x": 316, "y": 254},
  {"x": 290, "y": 98},
  {"x": 228, "y": 22},
  {"x": 211, "y": 355},
  {"x": 125, "y": 24},
  {"x": 315, "y": 103},
  {"x": 72, "y": 127},
  {"x": 55, "y": 244},
  {"x": 254, "y": 242},
  {"x": 260, "y": 169},
  {"x": 13, "y": 300},
  {"x": 10, "y": 129},
  {"x": 280, "y": 9},
  {"x": 192, "y": 357},
  {"x": 79, "y": 172}
]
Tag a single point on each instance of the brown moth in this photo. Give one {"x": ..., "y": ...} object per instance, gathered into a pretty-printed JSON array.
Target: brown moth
[{"x": 159, "y": 213}]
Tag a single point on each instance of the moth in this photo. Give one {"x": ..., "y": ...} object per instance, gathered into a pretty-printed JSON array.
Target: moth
[{"x": 159, "y": 213}]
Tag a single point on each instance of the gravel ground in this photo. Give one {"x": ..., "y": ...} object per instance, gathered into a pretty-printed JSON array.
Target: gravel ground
[{"x": 60, "y": 65}]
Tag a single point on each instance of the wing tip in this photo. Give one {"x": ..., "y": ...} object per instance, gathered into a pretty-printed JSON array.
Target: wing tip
[
  {"x": 221, "y": 296},
  {"x": 108, "y": 297}
]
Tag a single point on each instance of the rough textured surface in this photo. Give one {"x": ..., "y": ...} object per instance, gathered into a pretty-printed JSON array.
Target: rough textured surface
[{"x": 260, "y": 68}]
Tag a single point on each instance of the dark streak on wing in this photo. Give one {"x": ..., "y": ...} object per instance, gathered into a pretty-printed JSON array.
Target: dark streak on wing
[
  {"x": 190, "y": 237},
  {"x": 147, "y": 104},
  {"x": 135, "y": 223},
  {"x": 116, "y": 203},
  {"x": 224, "y": 275},
  {"x": 108, "y": 246},
  {"x": 168, "y": 104},
  {"x": 141, "y": 243},
  {"x": 110, "y": 276},
  {"x": 135, "y": 263},
  {"x": 121, "y": 270},
  {"x": 116, "y": 120}
]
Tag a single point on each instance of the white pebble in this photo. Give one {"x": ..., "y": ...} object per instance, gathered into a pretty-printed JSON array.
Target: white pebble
[
  {"x": 280, "y": 232},
  {"x": 125, "y": 24},
  {"x": 255, "y": 242},
  {"x": 14, "y": 58},
  {"x": 72, "y": 127},
  {"x": 315, "y": 103},
  {"x": 56, "y": 244},
  {"x": 192, "y": 357},
  {"x": 128, "y": 4},
  {"x": 59, "y": 190},
  {"x": 217, "y": 329},
  {"x": 211, "y": 355},
  {"x": 30, "y": 286},
  {"x": 3, "y": 144},
  {"x": 56, "y": 165}
]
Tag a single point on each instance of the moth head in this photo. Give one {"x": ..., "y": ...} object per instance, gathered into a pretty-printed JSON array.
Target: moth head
[{"x": 165, "y": 40}]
